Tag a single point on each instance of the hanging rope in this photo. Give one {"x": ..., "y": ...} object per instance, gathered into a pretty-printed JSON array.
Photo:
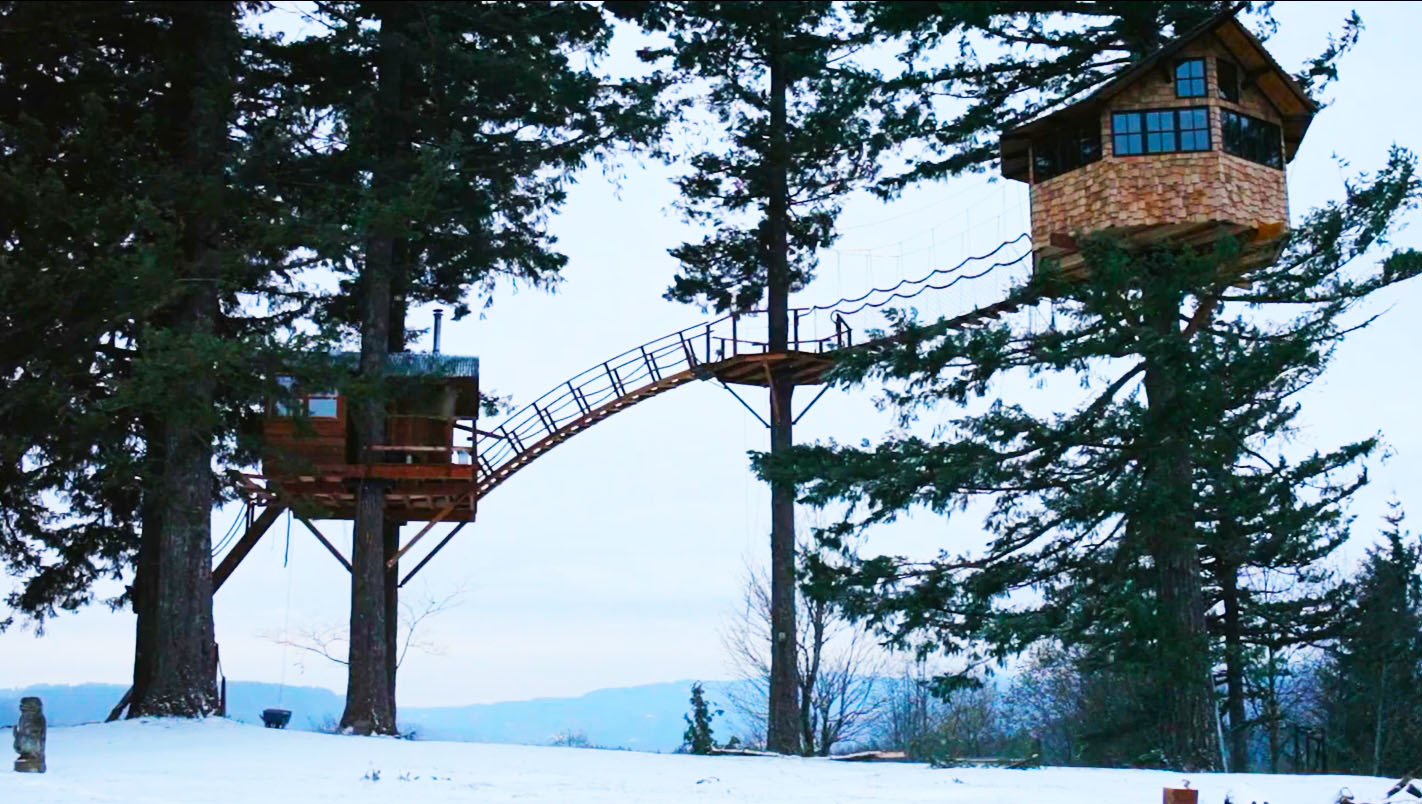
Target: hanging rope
[
  {"x": 286, "y": 615},
  {"x": 226, "y": 540},
  {"x": 930, "y": 275}
]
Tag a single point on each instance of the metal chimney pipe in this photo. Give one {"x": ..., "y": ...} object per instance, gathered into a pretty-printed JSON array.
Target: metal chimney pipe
[{"x": 439, "y": 318}]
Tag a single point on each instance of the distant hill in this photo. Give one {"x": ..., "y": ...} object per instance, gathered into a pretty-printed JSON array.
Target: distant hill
[{"x": 643, "y": 718}]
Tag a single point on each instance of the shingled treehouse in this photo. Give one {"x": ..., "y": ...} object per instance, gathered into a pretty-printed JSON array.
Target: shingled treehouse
[
  {"x": 309, "y": 446},
  {"x": 1183, "y": 147}
]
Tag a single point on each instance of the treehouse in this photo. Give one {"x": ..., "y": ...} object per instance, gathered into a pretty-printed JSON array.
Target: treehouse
[
  {"x": 1182, "y": 148},
  {"x": 427, "y": 458}
]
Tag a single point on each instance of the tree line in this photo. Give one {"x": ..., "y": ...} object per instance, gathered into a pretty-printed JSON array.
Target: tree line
[{"x": 176, "y": 178}]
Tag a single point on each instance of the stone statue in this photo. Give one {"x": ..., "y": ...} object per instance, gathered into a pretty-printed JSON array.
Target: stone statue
[{"x": 29, "y": 737}]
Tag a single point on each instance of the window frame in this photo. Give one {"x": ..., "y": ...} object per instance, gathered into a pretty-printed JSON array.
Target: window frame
[
  {"x": 1203, "y": 78},
  {"x": 1278, "y": 139},
  {"x": 335, "y": 400},
  {"x": 1075, "y": 136},
  {"x": 1144, "y": 131},
  {"x": 299, "y": 406}
]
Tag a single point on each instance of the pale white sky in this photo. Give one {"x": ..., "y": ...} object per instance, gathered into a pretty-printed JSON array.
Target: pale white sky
[{"x": 615, "y": 559}]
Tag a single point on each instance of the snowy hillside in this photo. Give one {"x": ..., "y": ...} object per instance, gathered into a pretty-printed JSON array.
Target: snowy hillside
[{"x": 222, "y": 761}]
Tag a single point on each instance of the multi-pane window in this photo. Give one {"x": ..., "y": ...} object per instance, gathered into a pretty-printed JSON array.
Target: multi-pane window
[
  {"x": 1229, "y": 79},
  {"x": 1190, "y": 78},
  {"x": 1066, "y": 151},
  {"x": 1160, "y": 131},
  {"x": 1251, "y": 138}
]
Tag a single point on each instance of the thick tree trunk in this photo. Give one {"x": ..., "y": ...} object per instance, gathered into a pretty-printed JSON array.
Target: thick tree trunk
[
  {"x": 145, "y": 575},
  {"x": 783, "y": 722},
  {"x": 392, "y": 606},
  {"x": 180, "y": 659},
  {"x": 1237, "y": 738},
  {"x": 370, "y": 702},
  {"x": 1187, "y": 726}
]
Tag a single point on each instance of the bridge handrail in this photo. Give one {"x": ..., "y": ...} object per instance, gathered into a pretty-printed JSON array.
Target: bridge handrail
[{"x": 642, "y": 366}]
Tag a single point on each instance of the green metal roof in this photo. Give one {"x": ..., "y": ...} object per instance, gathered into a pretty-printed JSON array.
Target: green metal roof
[{"x": 422, "y": 364}]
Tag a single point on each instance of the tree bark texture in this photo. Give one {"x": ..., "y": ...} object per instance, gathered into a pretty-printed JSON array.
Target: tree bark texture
[
  {"x": 1237, "y": 737},
  {"x": 145, "y": 574},
  {"x": 182, "y": 659},
  {"x": 783, "y": 722},
  {"x": 392, "y": 606},
  {"x": 1188, "y": 731},
  {"x": 370, "y": 702}
]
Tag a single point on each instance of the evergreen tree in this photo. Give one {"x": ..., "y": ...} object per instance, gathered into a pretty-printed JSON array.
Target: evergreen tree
[
  {"x": 801, "y": 132},
  {"x": 454, "y": 130},
  {"x": 142, "y": 227},
  {"x": 1374, "y": 671},
  {"x": 698, "y": 738},
  {"x": 1096, "y": 508}
]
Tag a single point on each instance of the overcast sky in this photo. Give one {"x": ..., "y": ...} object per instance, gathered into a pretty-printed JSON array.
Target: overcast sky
[{"x": 615, "y": 559}]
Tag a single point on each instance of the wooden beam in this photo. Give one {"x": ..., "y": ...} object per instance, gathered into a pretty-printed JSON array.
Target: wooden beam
[
  {"x": 435, "y": 520},
  {"x": 245, "y": 544},
  {"x": 431, "y": 554},
  {"x": 322, "y": 539}
]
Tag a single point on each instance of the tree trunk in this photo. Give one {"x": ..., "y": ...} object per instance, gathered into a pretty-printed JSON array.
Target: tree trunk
[
  {"x": 370, "y": 703},
  {"x": 1238, "y": 735},
  {"x": 1271, "y": 708},
  {"x": 145, "y": 574},
  {"x": 392, "y": 606},
  {"x": 1187, "y": 724},
  {"x": 1378, "y": 720},
  {"x": 181, "y": 663},
  {"x": 810, "y": 726},
  {"x": 783, "y": 721}
]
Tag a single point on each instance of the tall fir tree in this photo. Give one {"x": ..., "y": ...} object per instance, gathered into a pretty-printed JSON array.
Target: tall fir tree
[
  {"x": 452, "y": 130},
  {"x": 139, "y": 171},
  {"x": 801, "y": 131},
  {"x": 1096, "y": 506}
]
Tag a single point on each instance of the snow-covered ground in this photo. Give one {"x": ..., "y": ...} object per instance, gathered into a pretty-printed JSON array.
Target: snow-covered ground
[{"x": 223, "y": 761}]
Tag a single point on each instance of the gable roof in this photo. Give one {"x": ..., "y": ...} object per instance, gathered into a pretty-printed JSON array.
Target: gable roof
[{"x": 1295, "y": 107}]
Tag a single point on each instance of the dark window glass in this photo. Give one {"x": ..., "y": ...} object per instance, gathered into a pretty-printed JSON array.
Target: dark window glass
[
  {"x": 1229, "y": 80},
  {"x": 1160, "y": 131},
  {"x": 1066, "y": 151},
  {"x": 1126, "y": 134},
  {"x": 1190, "y": 78},
  {"x": 1251, "y": 138}
]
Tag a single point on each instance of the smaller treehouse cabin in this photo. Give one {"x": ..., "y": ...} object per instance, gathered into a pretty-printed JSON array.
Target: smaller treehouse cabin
[
  {"x": 310, "y": 453},
  {"x": 1183, "y": 147}
]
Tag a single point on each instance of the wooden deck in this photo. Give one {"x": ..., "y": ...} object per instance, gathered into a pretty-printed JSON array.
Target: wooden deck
[{"x": 1259, "y": 245}]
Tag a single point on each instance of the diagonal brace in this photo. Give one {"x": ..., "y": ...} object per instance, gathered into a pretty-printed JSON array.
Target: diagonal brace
[
  {"x": 314, "y": 532},
  {"x": 806, "y": 409},
  {"x": 743, "y": 403},
  {"x": 431, "y": 554},
  {"x": 438, "y": 518}
]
